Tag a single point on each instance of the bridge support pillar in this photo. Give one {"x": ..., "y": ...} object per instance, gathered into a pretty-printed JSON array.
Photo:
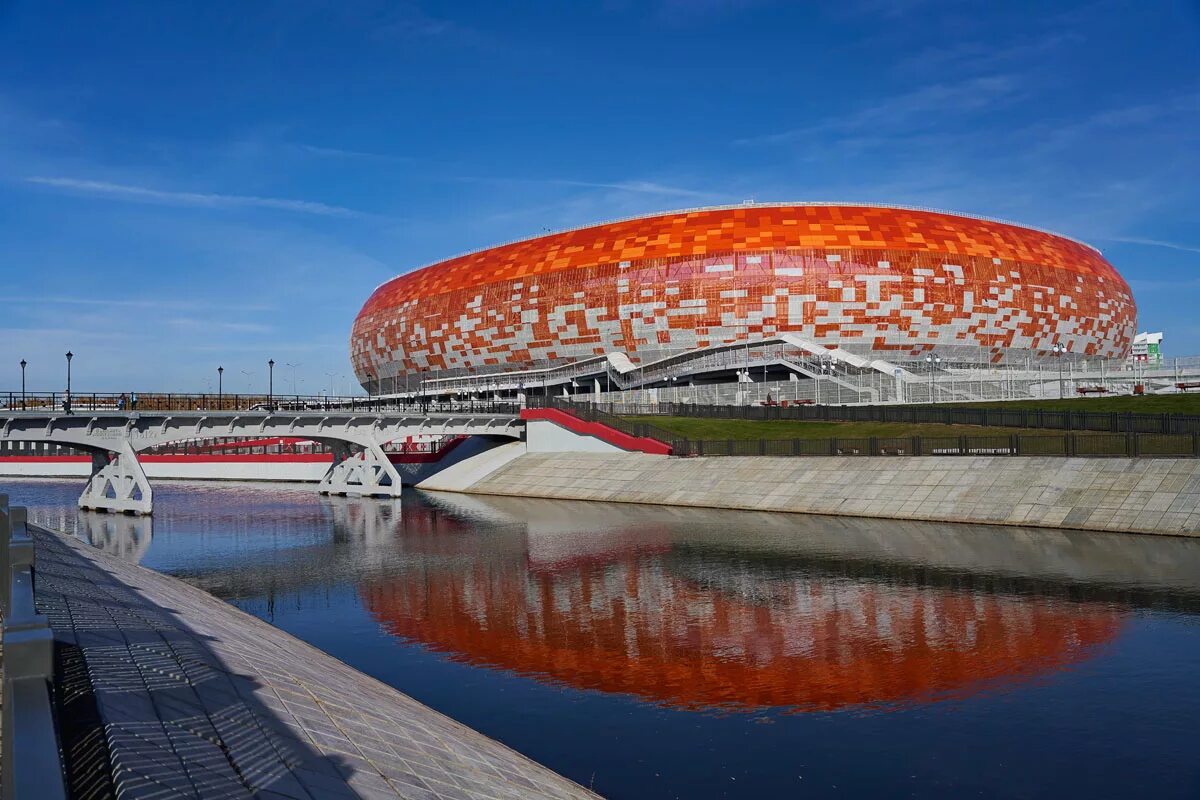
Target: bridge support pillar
[
  {"x": 368, "y": 473},
  {"x": 118, "y": 483}
]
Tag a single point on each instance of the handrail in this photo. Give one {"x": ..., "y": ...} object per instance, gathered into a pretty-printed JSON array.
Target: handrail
[
  {"x": 14, "y": 403},
  {"x": 30, "y": 760},
  {"x": 1069, "y": 444},
  {"x": 986, "y": 416}
]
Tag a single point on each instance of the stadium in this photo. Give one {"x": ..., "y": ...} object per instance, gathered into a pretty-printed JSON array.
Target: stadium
[{"x": 876, "y": 303}]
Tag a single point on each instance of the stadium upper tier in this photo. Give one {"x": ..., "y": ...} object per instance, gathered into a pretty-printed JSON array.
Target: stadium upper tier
[{"x": 880, "y": 282}]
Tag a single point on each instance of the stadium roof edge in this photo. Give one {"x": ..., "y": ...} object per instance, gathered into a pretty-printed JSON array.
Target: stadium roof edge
[{"x": 734, "y": 206}]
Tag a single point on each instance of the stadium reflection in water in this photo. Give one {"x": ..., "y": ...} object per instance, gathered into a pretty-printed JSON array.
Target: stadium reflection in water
[
  {"x": 663, "y": 652},
  {"x": 629, "y": 611},
  {"x": 806, "y": 613}
]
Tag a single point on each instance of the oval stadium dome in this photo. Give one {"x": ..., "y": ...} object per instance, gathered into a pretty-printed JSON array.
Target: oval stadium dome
[{"x": 880, "y": 284}]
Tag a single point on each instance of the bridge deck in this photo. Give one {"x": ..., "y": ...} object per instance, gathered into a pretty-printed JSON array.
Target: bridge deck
[{"x": 198, "y": 699}]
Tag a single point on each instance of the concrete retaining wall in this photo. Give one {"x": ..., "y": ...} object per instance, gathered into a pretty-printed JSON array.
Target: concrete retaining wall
[
  {"x": 1139, "y": 495},
  {"x": 544, "y": 436}
]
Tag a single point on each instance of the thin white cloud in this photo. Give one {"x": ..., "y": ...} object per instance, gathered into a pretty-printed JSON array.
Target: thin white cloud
[
  {"x": 631, "y": 186},
  {"x": 154, "y": 303},
  {"x": 982, "y": 55},
  {"x": 1187, "y": 248},
  {"x": 191, "y": 199},
  {"x": 934, "y": 101},
  {"x": 340, "y": 152},
  {"x": 188, "y": 323},
  {"x": 639, "y": 187}
]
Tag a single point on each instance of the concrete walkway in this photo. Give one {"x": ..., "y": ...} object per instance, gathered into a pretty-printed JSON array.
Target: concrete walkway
[{"x": 197, "y": 699}]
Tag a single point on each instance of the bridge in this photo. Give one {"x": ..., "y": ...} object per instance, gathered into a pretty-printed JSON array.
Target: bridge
[{"x": 356, "y": 437}]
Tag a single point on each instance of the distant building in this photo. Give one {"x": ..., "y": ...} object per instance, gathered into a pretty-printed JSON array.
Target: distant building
[{"x": 1147, "y": 349}]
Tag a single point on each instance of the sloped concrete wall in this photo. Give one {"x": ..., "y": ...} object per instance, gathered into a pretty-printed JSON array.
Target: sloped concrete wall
[
  {"x": 544, "y": 436},
  {"x": 1138, "y": 495}
]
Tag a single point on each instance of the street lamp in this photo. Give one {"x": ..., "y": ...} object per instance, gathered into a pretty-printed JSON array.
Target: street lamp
[
  {"x": 270, "y": 382},
  {"x": 934, "y": 361},
  {"x": 1059, "y": 349},
  {"x": 70, "y": 355},
  {"x": 23, "y": 363}
]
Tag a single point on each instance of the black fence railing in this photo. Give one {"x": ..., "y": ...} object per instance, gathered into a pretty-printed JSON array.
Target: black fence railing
[
  {"x": 91, "y": 402},
  {"x": 1067, "y": 444},
  {"x": 1063, "y": 420},
  {"x": 1082, "y": 445}
]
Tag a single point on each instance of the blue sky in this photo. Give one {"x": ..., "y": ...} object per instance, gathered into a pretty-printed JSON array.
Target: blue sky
[{"x": 187, "y": 185}]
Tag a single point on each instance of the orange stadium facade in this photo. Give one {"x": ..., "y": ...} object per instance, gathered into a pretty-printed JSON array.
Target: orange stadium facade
[{"x": 879, "y": 284}]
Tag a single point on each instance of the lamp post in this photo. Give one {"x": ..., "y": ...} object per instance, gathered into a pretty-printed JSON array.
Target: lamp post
[
  {"x": 220, "y": 388},
  {"x": 1059, "y": 349},
  {"x": 934, "y": 361},
  {"x": 23, "y": 363},
  {"x": 70, "y": 355},
  {"x": 293, "y": 366},
  {"x": 270, "y": 382}
]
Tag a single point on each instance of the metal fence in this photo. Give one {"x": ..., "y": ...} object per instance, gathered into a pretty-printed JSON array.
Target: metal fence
[
  {"x": 1062, "y": 420},
  {"x": 1067, "y": 444},
  {"x": 1080, "y": 445},
  {"x": 110, "y": 401},
  {"x": 30, "y": 760}
]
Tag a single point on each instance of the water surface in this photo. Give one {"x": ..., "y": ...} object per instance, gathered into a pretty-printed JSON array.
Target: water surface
[{"x": 658, "y": 652}]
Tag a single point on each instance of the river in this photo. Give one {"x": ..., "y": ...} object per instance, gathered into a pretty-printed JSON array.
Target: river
[{"x": 689, "y": 653}]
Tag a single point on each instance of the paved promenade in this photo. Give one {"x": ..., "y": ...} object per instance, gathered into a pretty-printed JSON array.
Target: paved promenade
[{"x": 185, "y": 696}]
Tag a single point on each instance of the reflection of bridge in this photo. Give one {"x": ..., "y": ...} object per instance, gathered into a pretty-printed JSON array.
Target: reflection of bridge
[{"x": 360, "y": 465}]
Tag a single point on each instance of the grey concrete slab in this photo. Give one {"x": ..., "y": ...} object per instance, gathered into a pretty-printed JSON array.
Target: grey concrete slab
[{"x": 1096, "y": 494}]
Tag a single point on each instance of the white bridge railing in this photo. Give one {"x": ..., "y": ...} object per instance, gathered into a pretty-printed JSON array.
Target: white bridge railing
[{"x": 29, "y": 753}]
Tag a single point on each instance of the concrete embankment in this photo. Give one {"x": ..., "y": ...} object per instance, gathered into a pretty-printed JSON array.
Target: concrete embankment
[{"x": 1137, "y": 495}]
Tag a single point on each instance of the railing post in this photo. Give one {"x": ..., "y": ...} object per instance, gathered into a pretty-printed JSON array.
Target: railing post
[
  {"x": 833, "y": 446},
  {"x": 1196, "y": 445},
  {"x": 873, "y": 446},
  {"x": 916, "y": 446}
]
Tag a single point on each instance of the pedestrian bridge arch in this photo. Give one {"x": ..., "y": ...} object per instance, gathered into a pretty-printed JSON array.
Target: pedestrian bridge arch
[{"x": 360, "y": 465}]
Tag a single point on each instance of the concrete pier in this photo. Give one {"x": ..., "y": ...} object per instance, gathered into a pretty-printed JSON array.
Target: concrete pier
[{"x": 165, "y": 691}]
